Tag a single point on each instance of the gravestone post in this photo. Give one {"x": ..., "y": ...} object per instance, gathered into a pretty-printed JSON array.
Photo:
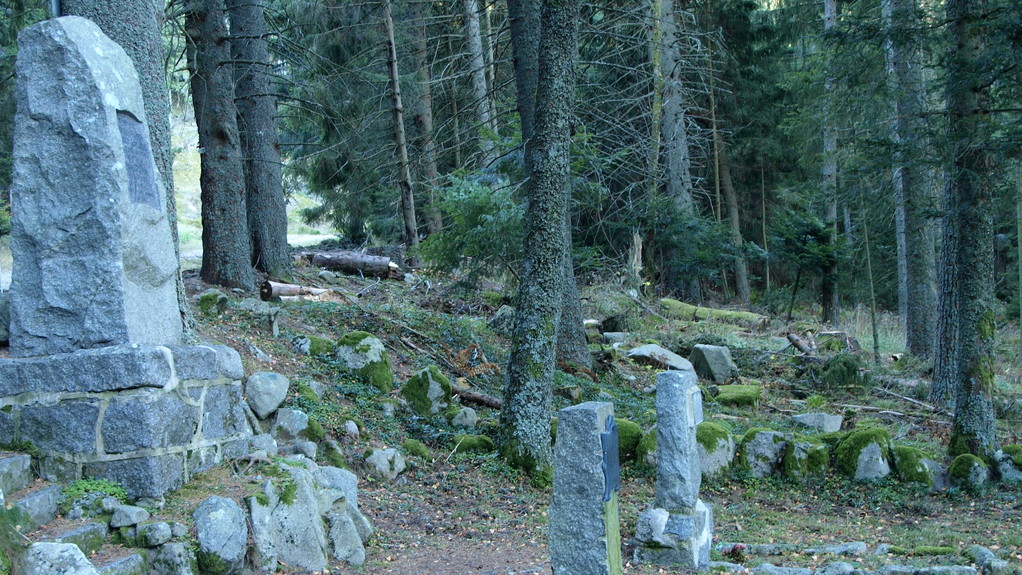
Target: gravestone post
[
  {"x": 94, "y": 261},
  {"x": 678, "y": 528},
  {"x": 585, "y": 537}
]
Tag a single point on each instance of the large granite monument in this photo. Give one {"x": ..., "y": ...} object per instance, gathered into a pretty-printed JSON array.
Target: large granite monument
[
  {"x": 100, "y": 382},
  {"x": 93, "y": 251}
]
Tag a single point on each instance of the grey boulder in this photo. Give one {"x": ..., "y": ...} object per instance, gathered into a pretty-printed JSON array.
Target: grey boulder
[
  {"x": 221, "y": 530},
  {"x": 713, "y": 362},
  {"x": 265, "y": 392},
  {"x": 56, "y": 559},
  {"x": 658, "y": 356}
]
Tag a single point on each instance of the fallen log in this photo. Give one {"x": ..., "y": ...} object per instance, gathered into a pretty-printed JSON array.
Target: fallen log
[
  {"x": 270, "y": 290},
  {"x": 799, "y": 344},
  {"x": 682, "y": 310},
  {"x": 356, "y": 263},
  {"x": 478, "y": 398}
]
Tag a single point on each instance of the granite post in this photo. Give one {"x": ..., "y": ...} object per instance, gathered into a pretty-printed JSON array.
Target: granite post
[
  {"x": 94, "y": 260},
  {"x": 585, "y": 537},
  {"x": 678, "y": 528}
]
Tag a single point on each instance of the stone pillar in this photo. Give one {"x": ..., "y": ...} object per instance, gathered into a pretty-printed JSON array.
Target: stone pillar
[
  {"x": 678, "y": 529},
  {"x": 94, "y": 260},
  {"x": 585, "y": 537}
]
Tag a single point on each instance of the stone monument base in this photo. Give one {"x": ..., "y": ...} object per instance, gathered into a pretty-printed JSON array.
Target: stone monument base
[
  {"x": 146, "y": 416},
  {"x": 681, "y": 537}
]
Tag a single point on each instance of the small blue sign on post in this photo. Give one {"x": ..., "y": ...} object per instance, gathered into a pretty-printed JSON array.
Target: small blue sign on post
[{"x": 611, "y": 459}]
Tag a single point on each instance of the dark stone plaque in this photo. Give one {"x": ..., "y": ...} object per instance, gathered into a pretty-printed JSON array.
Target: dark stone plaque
[
  {"x": 138, "y": 157},
  {"x": 611, "y": 461}
]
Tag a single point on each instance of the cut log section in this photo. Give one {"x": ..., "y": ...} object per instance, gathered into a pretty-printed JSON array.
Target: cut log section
[
  {"x": 356, "y": 263},
  {"x": 271, "y": 290}
]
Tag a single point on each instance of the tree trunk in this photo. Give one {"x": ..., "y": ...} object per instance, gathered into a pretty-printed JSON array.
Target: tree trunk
[
  {"x": 966, "y": 282},
  {"x": 226, "y": 249},
  {"x": 355, "y": 263},
  {"x": 916, "y": 255},
  {"x": 477, "y": 71},
  {"x": 257, "y": 117},
  {"x": 524, "y": 15},
  {"x": 674, "y": 128},
  {"x": 404, "y": 175},
  {"x": 828, "y": 286},
  {"x": 525, "y": 419},
  {"x": 424, "y": 121},
  {"x": 731, "y": 202}
]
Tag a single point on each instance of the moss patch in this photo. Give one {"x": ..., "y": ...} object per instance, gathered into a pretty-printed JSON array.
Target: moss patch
[
  {"x": 710, "y": 434},
  {"x": 804, "y": 456},
  {"x": 1015, "y": 451},
  {"x": 908, "y": 462},
  {"x": 415, "y": 448},
  {"x": 314, "y": 431},
  {"x": 629, "y": 435},
  {"x": 321, "y": 346},
  {"x": 934, "y": 550},
  {"x": 333, "y": 455},
  {"x": 646, "y": 446},
  {"x": 848, "y": 450},
  {"x": 468, "y": 443},
  {"x": 365, "y": 353},
  {"x": 428, "y": 392},
  {"x": 962, "y": 470},
  {"x": 739, "y": 395}
]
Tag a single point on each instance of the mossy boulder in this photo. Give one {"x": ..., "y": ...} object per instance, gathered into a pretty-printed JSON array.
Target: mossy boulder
[
  {"x": 629, "y": 434},
  {"x": 321, "y": 346},
  {"x": 415, "y": 448},
  {"x": 865, "y": 454},
  {"x": 645, "y": 451},
  {"x": 469, "y": 443},
  {"x": 739, "y": 396},
  {"x": 1015, "y": 451},
  {"x": 331, "y": 452},
  {"x": 428, "y": 392},
  {"x": 915, "y": 466},
  {"x": 716, "y": 449},
  {"x": 761, "y": 451},
  {"x": 212, "y": 302},
  {"x": 804, "y": 457},
  {"x": 365, "y": 353},
  {"x": 968, "y": 472}
]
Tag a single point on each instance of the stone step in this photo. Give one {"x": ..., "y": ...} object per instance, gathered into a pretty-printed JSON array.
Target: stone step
[
  {"x": 40, "y": 506},
  {"x": 134, "y": 564},
  {"x": 15, "y": 472},
  {"x": 88, "y": 537}
]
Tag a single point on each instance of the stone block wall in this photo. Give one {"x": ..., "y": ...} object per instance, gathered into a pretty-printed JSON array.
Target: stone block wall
[{"x": 146, "y": 416}]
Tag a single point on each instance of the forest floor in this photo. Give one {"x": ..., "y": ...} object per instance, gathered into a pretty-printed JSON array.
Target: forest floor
[{"x": 455, "y": 514}]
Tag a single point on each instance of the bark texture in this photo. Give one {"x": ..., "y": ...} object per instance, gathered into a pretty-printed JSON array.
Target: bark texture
[
  {"x": 572, "y": 345},
  {"x": 424, "y": 122},
  {"x": 226, "y": 250},
  {"x": 828, "y": 284},
  {"x": 912, "y": 198},
  {"x": 966, "y": 313},
  {"x": 257, "y": 127},
  {"x": 404, "y": 174},
  {"x": 525, "y": 419},
  {"x": 477, "y": 70}
]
